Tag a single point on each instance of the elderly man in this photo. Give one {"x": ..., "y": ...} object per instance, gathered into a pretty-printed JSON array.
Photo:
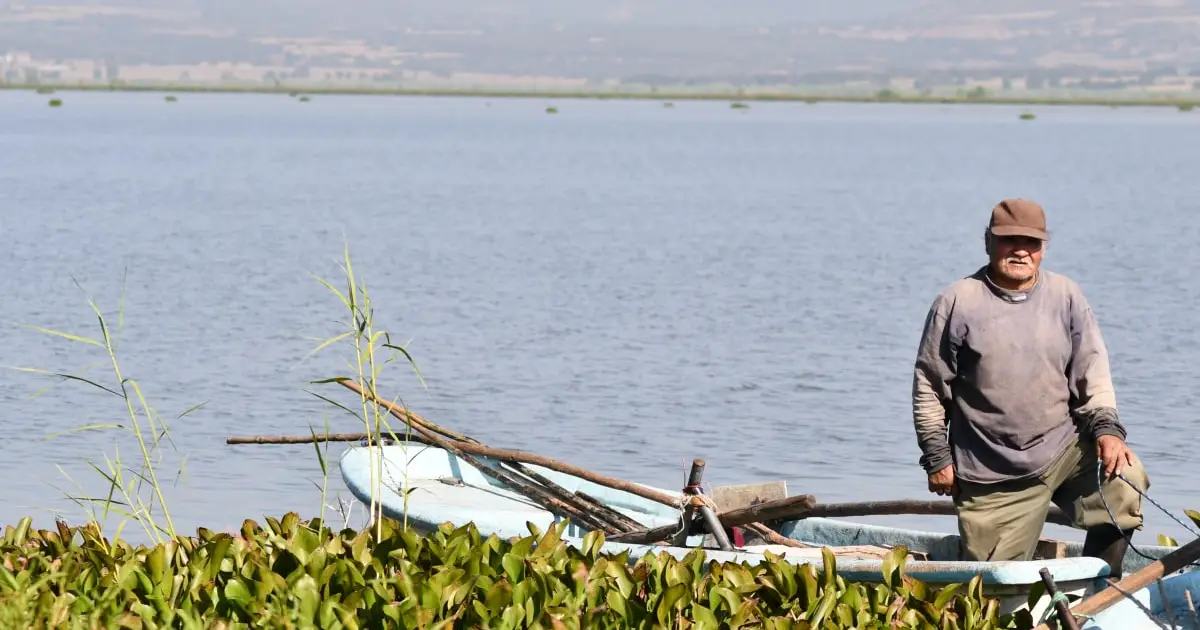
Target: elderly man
[{"x": 1011, "y": 360}]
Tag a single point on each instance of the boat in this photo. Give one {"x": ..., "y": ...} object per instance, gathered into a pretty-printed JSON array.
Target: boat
[
  {"x": 1171, "y": 603},
  {"x": 425, "y": 486}
]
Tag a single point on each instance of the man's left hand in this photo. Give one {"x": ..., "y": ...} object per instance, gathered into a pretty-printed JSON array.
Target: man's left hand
[{"x": 1114, "y": 454}]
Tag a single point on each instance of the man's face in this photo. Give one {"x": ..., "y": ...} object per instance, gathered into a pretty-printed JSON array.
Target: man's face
[{"x": 1016, "y": 258}]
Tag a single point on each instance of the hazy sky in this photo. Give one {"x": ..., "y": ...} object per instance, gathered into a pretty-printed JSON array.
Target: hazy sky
[
  {"x": 657, "y": 12},
  {"x": 618, "y": 37}
]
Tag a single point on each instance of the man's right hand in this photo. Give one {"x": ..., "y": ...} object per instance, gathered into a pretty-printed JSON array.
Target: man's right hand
[{"x": 942, "y": 482}]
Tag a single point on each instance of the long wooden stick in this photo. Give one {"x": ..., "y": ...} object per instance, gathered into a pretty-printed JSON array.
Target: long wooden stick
[
  {"x": 499, "y": 454},
  {"x": 472, "y": 446},
  {"x": 786, "y": 508},
  {"x": 305, "y": 439},
  {"x": 628, "y": 524},
  {"x": 552, "y": 499},
  {"x": 911, "y": 506},
  {"x": 607, "y": 518},
  {"x": 1144, "y": 577},
  {"x": 775, "y": 537},
  {"x": 834, "y": 510},
  {"x": 591, "y": 514},
  {"x": 407, "y": 417},
  {"x": 620, "y": 520}
]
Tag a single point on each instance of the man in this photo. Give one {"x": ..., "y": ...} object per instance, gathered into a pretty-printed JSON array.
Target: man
[{"x": 1011, "y": 360}]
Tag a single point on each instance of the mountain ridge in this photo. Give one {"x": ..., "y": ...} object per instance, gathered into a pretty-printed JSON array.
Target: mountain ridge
[{"x": 664, "y": 41}]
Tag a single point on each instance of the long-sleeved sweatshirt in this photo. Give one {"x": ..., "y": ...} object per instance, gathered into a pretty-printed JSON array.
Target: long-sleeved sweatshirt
[{"x": 1011, "y": 375}]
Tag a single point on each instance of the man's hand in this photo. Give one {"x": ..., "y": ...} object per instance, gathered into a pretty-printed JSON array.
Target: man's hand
[
  {"x": 942, "y": 482},
  {"x": 1114, "y": 454}
]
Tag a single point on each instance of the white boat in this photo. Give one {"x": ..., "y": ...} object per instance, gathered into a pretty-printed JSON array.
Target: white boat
[{"x": 426, "y": 486}]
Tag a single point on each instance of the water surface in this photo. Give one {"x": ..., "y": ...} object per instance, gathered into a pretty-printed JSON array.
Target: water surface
[{"x": 622, "y": 286}]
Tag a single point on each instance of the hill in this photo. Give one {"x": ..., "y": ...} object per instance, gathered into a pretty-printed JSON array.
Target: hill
[{"x": 1096, "y": 43}]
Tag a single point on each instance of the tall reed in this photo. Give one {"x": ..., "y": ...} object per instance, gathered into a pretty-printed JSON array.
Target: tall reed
[
  {"x": 371, "y": 348},
  {"x": 133, "y": 491},
  {"x": 136, "y": 491}
]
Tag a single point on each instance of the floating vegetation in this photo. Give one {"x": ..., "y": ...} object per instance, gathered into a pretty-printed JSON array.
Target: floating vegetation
[
  {"x": 304, "y": 99},
  {"x": 551, "y": 110},
  {"x": 45, "y": 90},
  {"x": 738, "y": 105},
  {"x": 1027, "y": 116},
  {"x": 290, "y": 573},
  {"x": 668, "y": 104},
  {"x": 171, "y": 99},
  {"x": 56, "y": 102},
  {"x": 1186, "y": 107},
  {"x": 887, "y": 94}
]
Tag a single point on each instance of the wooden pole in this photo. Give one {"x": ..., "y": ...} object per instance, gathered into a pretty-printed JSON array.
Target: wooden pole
[
  {"x": 306, "y": 439},
  {"x": 608, "y": 519},
  {"x": 710, "y": 519},
  {"x": 552, "y": 498},
  {"x": 910, "y": 506},
  {"x": 787, "y": 508},
  {"x": 775, "y": 537},
  {"x": 831, "y": 510},
  {"x": 620, "y": 520},
  {"x": 593, "y": 515},
  {"x": 1144, "y": 577},
  {"x": 695, "y": 476},
  {"x": 471, "y": 446},
  {"x": 1065, "y": 619},
  {"x": 406, "y": 416}
]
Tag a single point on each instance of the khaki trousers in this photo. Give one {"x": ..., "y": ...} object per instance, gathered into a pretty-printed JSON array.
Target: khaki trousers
[{"x": 1003, "y": 521}]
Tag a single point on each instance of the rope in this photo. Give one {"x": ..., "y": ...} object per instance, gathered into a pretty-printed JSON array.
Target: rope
[
  {"x": 691, "y": 492},
  {"x": 1113, "y": 517},
  {"x": 1051, "y": 611}
]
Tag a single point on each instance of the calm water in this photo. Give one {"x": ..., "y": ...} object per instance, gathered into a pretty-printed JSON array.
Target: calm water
[{"x": 622, "y": 286}]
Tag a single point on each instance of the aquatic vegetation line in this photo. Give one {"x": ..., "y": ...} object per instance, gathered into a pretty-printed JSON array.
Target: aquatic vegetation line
[
  {"x": 669, "y": 95},
  {"x": 302, "y": 574}
]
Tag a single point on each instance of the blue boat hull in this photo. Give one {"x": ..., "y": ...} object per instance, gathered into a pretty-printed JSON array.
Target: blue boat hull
[
  {"x": 1153, "y": 608},
  {"x": 425, "y": 486}
]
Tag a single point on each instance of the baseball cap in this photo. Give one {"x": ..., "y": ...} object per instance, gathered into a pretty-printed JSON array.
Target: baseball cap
[{"x": 1019, "y": 217}]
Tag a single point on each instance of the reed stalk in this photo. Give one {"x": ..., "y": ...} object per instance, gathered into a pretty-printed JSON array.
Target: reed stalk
[
  {"x": 368, "y": 343},
  {"x": 126, "y": 484}
]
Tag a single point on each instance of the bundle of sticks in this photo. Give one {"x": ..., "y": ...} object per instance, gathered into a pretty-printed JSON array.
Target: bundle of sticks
[{"x": 698, "y": 513}]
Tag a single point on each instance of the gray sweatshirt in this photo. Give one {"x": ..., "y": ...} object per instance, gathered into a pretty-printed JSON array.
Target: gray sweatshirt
[{"x": 1013, "y": 375}]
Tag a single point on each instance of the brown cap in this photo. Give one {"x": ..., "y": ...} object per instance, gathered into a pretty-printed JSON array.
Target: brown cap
[{"x": 1018, "y": 217}]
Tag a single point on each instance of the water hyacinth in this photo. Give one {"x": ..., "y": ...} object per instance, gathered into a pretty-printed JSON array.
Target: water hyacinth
[{"x": 296, "y": 574}]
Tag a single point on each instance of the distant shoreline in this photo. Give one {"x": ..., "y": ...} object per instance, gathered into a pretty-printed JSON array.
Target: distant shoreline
[{"x": 167, "y": 89}]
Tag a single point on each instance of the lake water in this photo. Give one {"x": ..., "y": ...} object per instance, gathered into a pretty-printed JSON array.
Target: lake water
[{"x": 622, "y": 285}]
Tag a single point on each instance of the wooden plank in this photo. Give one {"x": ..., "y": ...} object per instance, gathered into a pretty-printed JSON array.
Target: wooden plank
[
  {"x": 791, "y": 507},
  {"x": 734, "y": 497},
  {"x": 1049, "y": 549}
]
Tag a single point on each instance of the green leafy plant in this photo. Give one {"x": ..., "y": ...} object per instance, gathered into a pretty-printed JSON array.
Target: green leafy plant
[{"x": 296, "y": 574}]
